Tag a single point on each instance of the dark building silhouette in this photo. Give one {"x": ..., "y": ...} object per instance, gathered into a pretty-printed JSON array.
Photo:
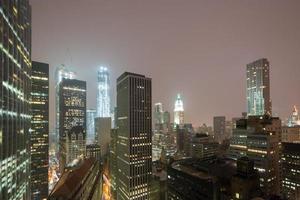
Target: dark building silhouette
[
  {"x": 39, "y": 140},
  {"x": 134, "y": 149},
  {"x": 15, "y": 88},
  {"x": 213, "y": 179},
  {"x": 72, "y": 112}
]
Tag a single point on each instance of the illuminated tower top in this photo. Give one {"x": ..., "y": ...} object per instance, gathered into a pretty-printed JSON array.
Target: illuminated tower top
[
  {"x": 178, "y": 104},
  {"x": 294, "y": 119},
  {"x": 63, "y": 72},
  {"x": 178, "y": 111},
  {"x": 103, "y": 95}
]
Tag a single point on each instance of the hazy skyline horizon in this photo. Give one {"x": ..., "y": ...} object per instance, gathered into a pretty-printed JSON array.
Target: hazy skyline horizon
[{"x": 198, "y": 49}]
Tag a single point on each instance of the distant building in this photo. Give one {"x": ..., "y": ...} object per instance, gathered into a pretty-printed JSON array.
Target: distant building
[
  {"x": 294, "y": 119},
  {"x": 75, "y": 144},
  {"x": 72, "y": 108},
  {"x": 82, "y": 182},
  {"x": 258, "y": 87},
  {"x": 183, "y": 140},
  {"x": 93, "y": 151},
  {"x": 90, "y": 126},
  {"x": 158, "y": 114},
  {"x": 178, "y": 111},
  {"x": 103, "y": 93},
  {"x": 103, "y": 129},
  {"x": 202, "y": 147},
  {"x": 134, "y": 123},
  {"x": 208, "y": 130},
  {"x": 39, "y": 140},
  {"x": 258, "y": 138},
  {"x": 291, "y": 134},
  {"x": 291, "y": 170},
  {"x": 220, "y": 128}
]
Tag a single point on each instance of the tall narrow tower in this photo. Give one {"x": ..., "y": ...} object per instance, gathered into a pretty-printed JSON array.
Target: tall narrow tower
[
  {"x": 258, "y": 87},
  {"x": 134, "y": 149},
  {"x": 178, "y": 111},
  {"x": 103, "y": 93}
]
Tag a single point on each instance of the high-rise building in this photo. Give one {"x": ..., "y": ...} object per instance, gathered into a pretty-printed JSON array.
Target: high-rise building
[
  {"x": 291, "y": 170},
  {"x": 258, "y": 87},
  {"x": 158, "y": 113},
  {"x": 103, "y": 93},
  {"x": 90, "y": 126},
  {"x": 61, "y": 73},
  {"x": 103, "y": 132},
  {"x": 259, "y": 138},
  {"x": 178, "y": 111},
  {"x": 93, "y": 151},
  {"x": 75, "y": 145},
  {"x": 39, "y": 140},
  {"x": 134, "y": 136},
  {"x": 15, "y": 88},
  {"x": 113, "y": 163},
  {"x": 219, "y": 128},
  {"x": 72, "y": 108}
]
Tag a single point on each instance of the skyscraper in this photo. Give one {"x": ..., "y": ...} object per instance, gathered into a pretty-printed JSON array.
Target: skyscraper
[
  {"x": 103, "y": 134},
  {"x": 158, "y": 114},
  {"x": 72, "y": 107},
  {"x": 103, "y": 93},
  {"x": 61, "y": 73},
  {"x": 178, "y": 111},
  {"x": 219, "y": 128},
  {"x": 294, "y": 119},
  {"x": 15, "y": 87},
  {"x": 90, "y": 126},
  {"x": 134, "y": 161},
  {"x": 39, "y": 130},
  {"x": 75, "y": 144},
  {"x": 258, "y": 87}
]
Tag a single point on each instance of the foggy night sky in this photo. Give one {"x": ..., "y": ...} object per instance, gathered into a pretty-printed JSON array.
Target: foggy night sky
[{"x": 198, "y": 48}]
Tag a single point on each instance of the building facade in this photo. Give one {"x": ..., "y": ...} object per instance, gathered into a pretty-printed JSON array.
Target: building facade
[
  {"x": 258, "y": 87},
  {"x": 259, "y": 138},
  {"x": 134, "y": 147},
  {"x": 39, "y": 140},
  {"x": 291, "y": 170},
  {"x": 103, "y": 132},
  {"x": 72, "y": 107},
  {"x": 75, "y": 145},
  {"x": 103, "y": 93},
  {"x": 15, "y": 88},
  {"x": 219, "y": 128},
  {"x": 90, "y": 126}
]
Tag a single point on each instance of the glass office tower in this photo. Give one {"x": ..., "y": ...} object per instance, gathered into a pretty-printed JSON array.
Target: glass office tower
[{"x": 103, "y": 95}]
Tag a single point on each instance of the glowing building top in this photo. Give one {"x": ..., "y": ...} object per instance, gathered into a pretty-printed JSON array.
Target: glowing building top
[
  {"x": 103, "y": 93},
  {"x": 178, "y": 111},
  {"x": 294, "y": 119},
  {"x": 63, "y": 72}
]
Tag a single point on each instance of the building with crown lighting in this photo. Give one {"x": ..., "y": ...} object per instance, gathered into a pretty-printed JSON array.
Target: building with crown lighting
[
  {"x": 178, "y": 111},
  {"x": 294, "y": 119},
  {"x": 103, "y": 93}
]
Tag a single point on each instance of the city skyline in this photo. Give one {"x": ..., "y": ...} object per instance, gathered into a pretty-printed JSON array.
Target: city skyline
[{"x": 183, "y": 60}]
